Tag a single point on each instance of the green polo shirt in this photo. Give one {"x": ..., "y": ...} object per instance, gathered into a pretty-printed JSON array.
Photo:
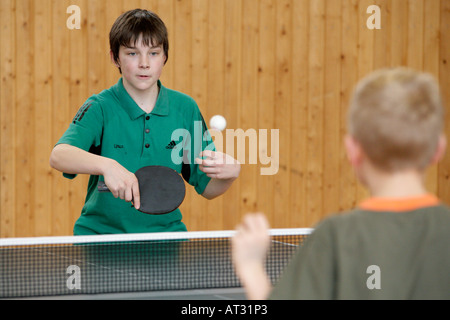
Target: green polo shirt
[{"x": 112, "y": 125}]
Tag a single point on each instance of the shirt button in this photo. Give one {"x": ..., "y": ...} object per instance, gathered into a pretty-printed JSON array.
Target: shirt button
[
  {"x": 147, "y": 118},
  {"x": 147, "y": 145},
  {"x": 147, "y": 130}
]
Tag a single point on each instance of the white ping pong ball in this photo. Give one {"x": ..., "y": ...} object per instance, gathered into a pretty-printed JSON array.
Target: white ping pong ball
[{"x": 218, "y": 122}]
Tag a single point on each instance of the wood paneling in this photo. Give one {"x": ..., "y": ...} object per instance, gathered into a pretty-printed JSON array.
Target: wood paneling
[{"x": 289, "y": 65}]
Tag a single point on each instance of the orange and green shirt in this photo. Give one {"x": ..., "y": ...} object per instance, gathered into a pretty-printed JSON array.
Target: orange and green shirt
[{"x": 384, "y": 249}]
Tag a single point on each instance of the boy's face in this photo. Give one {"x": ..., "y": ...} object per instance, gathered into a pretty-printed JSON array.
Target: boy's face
[{"x": 141, "y": 65}]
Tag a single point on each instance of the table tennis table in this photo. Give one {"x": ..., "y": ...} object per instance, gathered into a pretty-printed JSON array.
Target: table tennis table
[{"x": 186, "y": 265}]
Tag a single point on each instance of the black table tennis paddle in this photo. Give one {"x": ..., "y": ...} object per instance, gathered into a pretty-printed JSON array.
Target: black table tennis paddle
[{"x": 161, "y": 189}]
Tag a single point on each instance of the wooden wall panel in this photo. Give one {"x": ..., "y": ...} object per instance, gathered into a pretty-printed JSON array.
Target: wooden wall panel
[
  {"x": 299, "y": 130},
  {"x": 288, "y": 65},
  {"x": 25, "y": 110},
  {"x": 349, "y": 77},
  {"x": 7, "y": 119},
  {"x": 61, "y": 113},
  {"x": 443, "y": 184},
  {"x": 332, "y": 141},
  {"x": 231, "y": 96},
  {"x": 266, "y": 96}
]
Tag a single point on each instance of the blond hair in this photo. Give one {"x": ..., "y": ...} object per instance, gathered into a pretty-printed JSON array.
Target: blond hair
[{"x": 397, "y": 117}]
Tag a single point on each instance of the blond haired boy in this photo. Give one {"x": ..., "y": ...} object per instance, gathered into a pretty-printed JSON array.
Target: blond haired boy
[{"x": 394, "y": 245}]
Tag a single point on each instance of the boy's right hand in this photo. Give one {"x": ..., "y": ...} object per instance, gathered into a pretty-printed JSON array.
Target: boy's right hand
[{"x": 122, "y": 183}]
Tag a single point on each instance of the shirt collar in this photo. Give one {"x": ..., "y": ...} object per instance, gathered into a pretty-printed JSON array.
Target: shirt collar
[
  {"x": 134, "y": 111},
  {"x": 399, "y": 204}
]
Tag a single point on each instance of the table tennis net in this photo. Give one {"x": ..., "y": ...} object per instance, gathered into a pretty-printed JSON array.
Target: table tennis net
[{"x": 54, "y": 266}]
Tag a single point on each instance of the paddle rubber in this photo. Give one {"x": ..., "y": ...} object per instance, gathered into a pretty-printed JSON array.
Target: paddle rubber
[{"x": 161, "y": 189}]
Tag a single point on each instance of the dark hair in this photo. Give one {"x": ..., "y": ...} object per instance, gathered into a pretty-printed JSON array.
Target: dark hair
[{"x": 134, "y": 23}]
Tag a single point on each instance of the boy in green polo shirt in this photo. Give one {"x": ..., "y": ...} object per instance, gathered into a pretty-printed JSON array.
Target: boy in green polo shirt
[
  {"x": 134, "y": 124},
  {"x": 395, "y": 244}
]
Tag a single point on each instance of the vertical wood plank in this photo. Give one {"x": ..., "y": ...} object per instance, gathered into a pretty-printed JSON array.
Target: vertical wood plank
[
  {"x": 315, "y": 160},
  {"x": 282, "y": 111},
  {"x": 97, "y": 54},
  {"x": 366, "y": 40},
  {"x": 248, "y": 103},
  {"x": 431, "y": 37},
  {"x": 166, "y": 12},
  {"x": 62, "y": 221},
  {"x": 299, "y": 112},
  {"x": 332, "y": 121},
  {"x": 382, "y": 36},
  {"x": 444, "y": 79},
  {"x": 43, "y": 82},
  {"x": 232, "y": 98},
  {"x": 266, "y": 101},
  {"x": 430, "y": 56},
  {"x": 7, "y": 119},
  {"x": 399, "y": 25},
  {"x": 115, "y": 9},
  {"x": 415, "y": 34},
  {"x": 25, "y": 126},
  {"x": 182, "y": 46},
  {"x": 349, "y": 78},
  {"x": 131, "y": 4}
]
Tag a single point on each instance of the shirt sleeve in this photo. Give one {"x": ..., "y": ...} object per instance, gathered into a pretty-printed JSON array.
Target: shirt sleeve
[
  {"x": 200, "y": 141},
  {"x": 85, "y": 130},
  {"x": 311, "y": 273}
]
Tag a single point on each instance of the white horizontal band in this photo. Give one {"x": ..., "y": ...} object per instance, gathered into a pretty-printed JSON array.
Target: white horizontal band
[{"x": 30, "y": 241}]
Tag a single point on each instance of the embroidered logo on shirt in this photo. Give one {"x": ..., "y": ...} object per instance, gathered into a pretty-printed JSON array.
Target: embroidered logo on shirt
[{"x": 171, "y": 145}]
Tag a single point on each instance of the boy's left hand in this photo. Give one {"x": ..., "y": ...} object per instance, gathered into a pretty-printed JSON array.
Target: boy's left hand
[
  {"x": 249, "y": 250},
  {"x": 218, "y": 165}
]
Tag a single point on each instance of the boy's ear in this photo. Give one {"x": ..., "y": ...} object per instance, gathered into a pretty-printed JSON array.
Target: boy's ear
[
  {"x": 440, "y": 150},
  {"x": 354, "y": 151}
]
